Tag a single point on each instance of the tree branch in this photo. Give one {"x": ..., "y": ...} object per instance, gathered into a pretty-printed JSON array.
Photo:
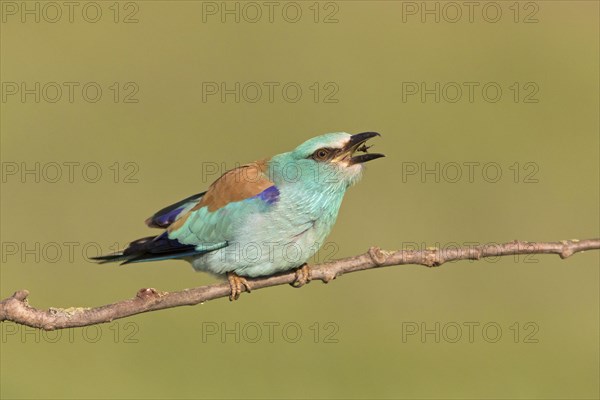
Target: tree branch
[{"x": 17, "y": 309}]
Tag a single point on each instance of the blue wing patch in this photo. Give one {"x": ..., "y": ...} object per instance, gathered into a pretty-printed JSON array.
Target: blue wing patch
[{"x": 270, "y": 195}]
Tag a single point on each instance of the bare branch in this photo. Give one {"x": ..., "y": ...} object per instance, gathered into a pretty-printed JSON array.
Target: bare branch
[{"x": 17, "y": 309}]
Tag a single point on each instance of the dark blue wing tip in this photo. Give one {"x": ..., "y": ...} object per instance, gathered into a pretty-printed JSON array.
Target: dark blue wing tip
[{"x": 168, "y": 218}]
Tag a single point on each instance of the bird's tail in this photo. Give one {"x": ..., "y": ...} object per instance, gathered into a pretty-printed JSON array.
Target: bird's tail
[{"x": 151, "y": 248}]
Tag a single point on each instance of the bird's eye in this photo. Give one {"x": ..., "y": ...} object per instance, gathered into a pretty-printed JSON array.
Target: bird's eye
[{"x": 321, "y": 154}]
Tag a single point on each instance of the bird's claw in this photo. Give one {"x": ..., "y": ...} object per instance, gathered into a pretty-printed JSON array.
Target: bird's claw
[
  {"x": 237, "y": 284},
  {"x": 303, "y": 276}
]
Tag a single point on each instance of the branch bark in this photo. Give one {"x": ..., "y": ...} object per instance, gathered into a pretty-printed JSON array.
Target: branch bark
[{"x": 17, "y": 309}]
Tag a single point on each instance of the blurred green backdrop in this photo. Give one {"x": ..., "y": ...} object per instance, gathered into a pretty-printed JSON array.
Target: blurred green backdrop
[{"x": 162, "y": 125}]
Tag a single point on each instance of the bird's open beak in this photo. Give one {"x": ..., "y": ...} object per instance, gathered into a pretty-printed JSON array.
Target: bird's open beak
[{"x": 357, "y": 143}]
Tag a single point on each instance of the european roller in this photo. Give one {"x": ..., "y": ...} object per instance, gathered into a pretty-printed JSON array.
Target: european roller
[{"x": 261, "y": 218}]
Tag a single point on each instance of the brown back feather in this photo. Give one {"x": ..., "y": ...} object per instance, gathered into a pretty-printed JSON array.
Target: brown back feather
[{"x": 234, "y": 185}]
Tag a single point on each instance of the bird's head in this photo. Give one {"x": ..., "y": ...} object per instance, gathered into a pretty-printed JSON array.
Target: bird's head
[{"x": 334, "y": 159}]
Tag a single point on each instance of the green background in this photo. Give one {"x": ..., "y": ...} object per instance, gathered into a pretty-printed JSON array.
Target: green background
[{"x": 171, "y": 135}]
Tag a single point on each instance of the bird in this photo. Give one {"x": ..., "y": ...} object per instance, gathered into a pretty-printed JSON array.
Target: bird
[{"x": 261, "y": 218}]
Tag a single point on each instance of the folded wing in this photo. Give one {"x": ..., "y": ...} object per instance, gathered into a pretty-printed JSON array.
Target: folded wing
[{"x": 203, "y": 222}]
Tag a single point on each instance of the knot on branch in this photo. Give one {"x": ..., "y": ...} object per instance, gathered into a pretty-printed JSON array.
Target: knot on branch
[
  {"x": 567, "y": 248},
  {"x": 21, "y": 295},
  {"x": 432, "y": 258},
  {"x": 328, "y": 276},
  {"x": 148, "y": 293},
  {"x": 377, "y": 255}
]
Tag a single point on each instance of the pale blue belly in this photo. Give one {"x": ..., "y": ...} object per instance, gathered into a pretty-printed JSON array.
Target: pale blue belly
[{"x": 281, "y": 239}]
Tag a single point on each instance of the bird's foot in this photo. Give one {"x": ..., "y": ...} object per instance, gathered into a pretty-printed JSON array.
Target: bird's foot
[
  {"x": 237, "y": 284},
  {"x": 303, "y": 276}
]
